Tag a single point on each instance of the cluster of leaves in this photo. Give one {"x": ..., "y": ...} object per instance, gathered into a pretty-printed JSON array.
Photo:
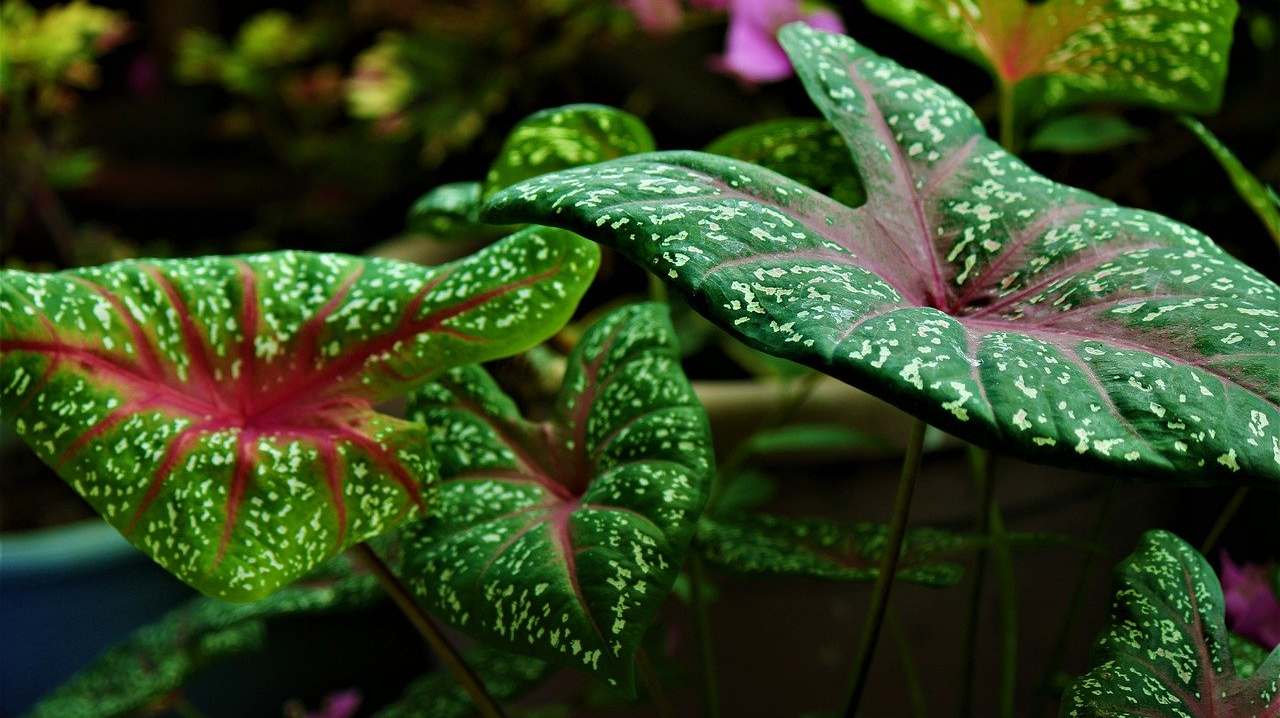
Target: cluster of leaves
[
  {"x": 51, "y": 50},
  {"x": 221, "y": 412}
]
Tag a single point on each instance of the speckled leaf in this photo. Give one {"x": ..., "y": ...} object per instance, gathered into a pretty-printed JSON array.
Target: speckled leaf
[
  {"x": 219, "y": 411},
  {"x": 1260, "y": 198},
  {"x": 560, "y": 539},
  {"x": 1164, "y": 53},
  {"x": 820, "y": 548},
  {"x": 1002, "y": 307},
  {"x": 158, "y": 659},
  {"x": 449, "y": 212},
  {"x": 808, "y": 150},
  {"x": 1166, "y": 651},
  {"x": 563, "y": 137},
  {"x": 438, "y": 695}
]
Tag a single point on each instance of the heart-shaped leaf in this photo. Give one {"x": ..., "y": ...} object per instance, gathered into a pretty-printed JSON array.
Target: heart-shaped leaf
[
  {"x": 449, "y": 212},
  {"x": 1001, "y": 306},
  {"x": 158, "y": 659},
  {"x": 808, "y": 150},
  {"x": 437, "y": 695},
  {"x": 1059, "y": 53},
  {"x": 561, "y": 538},
  {"x": 564, "y": 137},
  {"x": 1260, "y": 198},
  {"x": 219, "y": 411},
  {"x": 1167, "y": 651},
  {"x": 820, "y": 548}
]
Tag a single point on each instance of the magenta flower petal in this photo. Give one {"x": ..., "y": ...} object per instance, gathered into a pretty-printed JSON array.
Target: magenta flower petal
[
  {"x": 752, "y": 53},
  {"x": 1253, "y": 611},
  {"x": 342, "y": 704},
  {"x": 656, "y": 17}
]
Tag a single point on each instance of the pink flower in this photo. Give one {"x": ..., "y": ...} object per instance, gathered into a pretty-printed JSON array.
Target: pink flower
[
  {"x": 342, "y": 704},
  {"x": 1253, "y": 611},
  {"x": 656, "y": 17},
  {"x": 752, "y": 53}
]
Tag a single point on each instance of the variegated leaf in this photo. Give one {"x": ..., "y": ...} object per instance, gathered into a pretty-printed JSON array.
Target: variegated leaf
[
  {"x": 449, "y": 212},
  {"x": 219, "y": 411},
  {"x": 159, "y": 658},
  {"x": 561, "y": 538},
  {"x": 1001, "y": 306},
  {"x": 1166, "y": 651},
  {"x": 1057, "y": 53},
  {"x": 808, "y": 150}
]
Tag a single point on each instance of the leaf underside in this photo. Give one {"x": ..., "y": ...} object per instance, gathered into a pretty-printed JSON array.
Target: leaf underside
[
  {"x": 1001, "y": 306},
  {"x": 159, "y": 658},
  {"x": 219, "y": 411},
  {"x": 1164, "y": 53},
  {"x": 1166, "y": 651},
  {"x": 560, "y": 539},
  {"x": 819, "y": 548}
]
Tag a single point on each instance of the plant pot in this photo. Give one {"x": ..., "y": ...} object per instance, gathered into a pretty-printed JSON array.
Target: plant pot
[{"x": 66, "y": 594}]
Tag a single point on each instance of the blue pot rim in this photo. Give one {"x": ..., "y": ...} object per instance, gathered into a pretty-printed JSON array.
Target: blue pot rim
[{"x": 88, "y": 545}]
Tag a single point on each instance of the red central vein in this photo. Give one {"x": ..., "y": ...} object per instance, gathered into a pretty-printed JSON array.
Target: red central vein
[
  {"x": 562, "y": 537},
  {"x": 246, "y": 459},
  {"x": 193, "y": 342},
  {"x": 309, "y": 334},
  {"x": 939, "y": 293},
  {"x": 246, "y": 386},
  {"x": 151, "y": 363},
  {"x": 333, "y": 479},
  {"x": 1052, "y": 217}
]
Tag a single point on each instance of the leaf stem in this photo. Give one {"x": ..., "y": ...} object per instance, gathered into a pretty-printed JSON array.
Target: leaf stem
[
  {"x": 978, "y": 469},
  {"x": 1008, "y": 591},
  {"x": 444, "y": 651},
  {"x": 710, "y": 684},
  {"x": 1224, "y": 519},
  {"x": 910, "y": 673},
  {"x": 1059, "y": 650},
  {"x": 888, "y": 566},
  {"x": 652, "y": 685},
  {"x": 1008, "y": 119}
]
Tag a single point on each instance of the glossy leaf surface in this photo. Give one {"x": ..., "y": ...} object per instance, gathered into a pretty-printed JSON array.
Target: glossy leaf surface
[
  {"x": 438, "y": 695},
  {"x": 1260, "y": 198},
  {"x": 563, "y": 137},
  {"x": 449, "y": 212},
  {"x": 808, "y": 150},
  {"x": 1165, "y": 53},
  {"x": 159, "y": 658},
  {"x": 219, "y": 411},
  {"x": 561, "y": 538},
  {"x": 1166, "y": 651},
  {"x": 820, "y": 548},
  {"x": 994, "y": 303}
]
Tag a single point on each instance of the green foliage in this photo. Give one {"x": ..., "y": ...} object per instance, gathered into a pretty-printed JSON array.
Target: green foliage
[
  {"x": 808, "y": 150},
  {"x": 819, "y": 548},
  {"x": 1061, "y": 53},
  {"x": 56, "y": 45},
  {"x": 438, "y": 695},
  {"x": 220, "y": 413},
  {"x": 989, "y": 301},
  {"x": 561, "y": 538},
  {"x": 1083, "y": 133},
  {"x": 450, "y": 212},
  {"x": 1260, "y": 198},
  {"x": 1166, "y": 651},
  {"x": 157, "y": 659}
]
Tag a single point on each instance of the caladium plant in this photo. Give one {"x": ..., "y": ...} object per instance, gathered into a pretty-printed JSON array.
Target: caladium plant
[
  {"x": 561, "y": 538},
  {"x": 1167, "y": 651},
  {"x": 1059, "y": 53},
  {"x": 220, "y": 411},
  {"x": 988, "y": 300}
]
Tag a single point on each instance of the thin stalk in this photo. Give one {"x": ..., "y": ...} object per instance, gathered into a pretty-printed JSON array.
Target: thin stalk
[
  {"x": 652, "y": 685},
  {"x": 1008, "y": 119},
  {"x": 444, "y": 651},
  {"x": 710, "y": 682},
  {"x": 911, "y": 674},
  {"x": 657, "y": 289},
  {"x": 1224, "y": 519},
  {"x": 1059, "y": 650},
  {"x": 1008, "y": 590},
  {"x": 888, "y": 566},
  {"x": 979, "y": 463}
]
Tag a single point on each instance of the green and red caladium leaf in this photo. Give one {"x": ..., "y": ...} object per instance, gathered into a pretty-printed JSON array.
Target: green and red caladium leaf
[
  {"x": 562, "y": 538},
  {"x": 1166, "y": 651},
  {"x": 820, "y": 548},
  {"x": 1058, "y": 53},
  {"x": 992, "y": 302},
  {"x": 157, "y": 659},
  {"x": 1260, "y": 198},
  {"x": 219, "y": 411},
  {"x": 507, "y": 676},
  {"x": 808, "y": 150},
  {"x": 449, "y": 212}
]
